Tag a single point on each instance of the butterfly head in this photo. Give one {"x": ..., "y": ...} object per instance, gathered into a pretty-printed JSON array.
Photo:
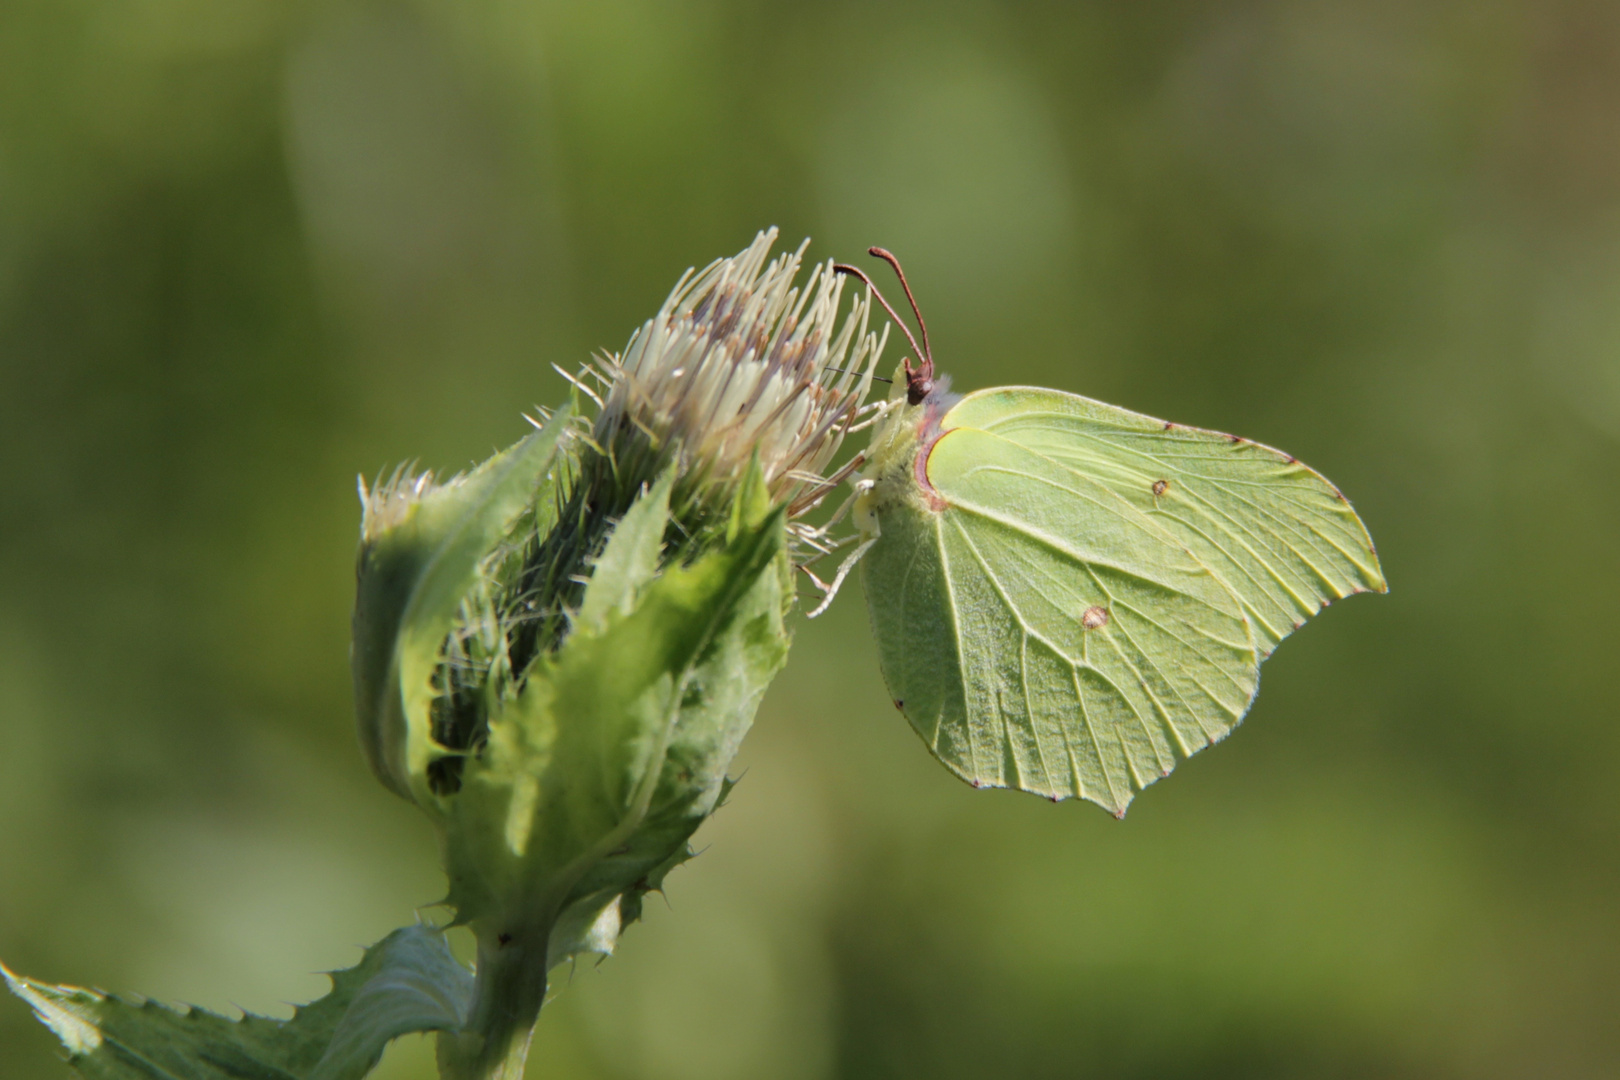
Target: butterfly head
[{"x": 920, "y": 380}]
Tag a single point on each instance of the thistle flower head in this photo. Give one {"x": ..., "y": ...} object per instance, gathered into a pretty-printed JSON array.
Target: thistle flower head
[
  {"x": 740, "y": 363},
  {"x": 557, "y": 653}
]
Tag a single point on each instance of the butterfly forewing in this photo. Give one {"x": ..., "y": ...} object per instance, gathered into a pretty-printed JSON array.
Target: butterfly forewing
[
  {"x": 1281, "y": 537},
  {"x": 1042, "y": 633}
]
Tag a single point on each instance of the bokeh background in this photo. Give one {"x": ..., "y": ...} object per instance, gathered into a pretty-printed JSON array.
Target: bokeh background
[{"x": 251, "y": 248}]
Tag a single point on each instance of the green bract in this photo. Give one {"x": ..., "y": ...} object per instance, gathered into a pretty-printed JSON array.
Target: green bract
[
  {"x": 586, "y": 772},
  {"x": 425, "y": 554}
]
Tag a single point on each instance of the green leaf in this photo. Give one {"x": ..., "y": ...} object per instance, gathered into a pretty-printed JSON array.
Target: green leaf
[
  {"x": 630, "y": 558},
  {"x": 617, "y": 747},
  {"x": 597, "y": 774},
  {"x": 414, "y": 574},
  {"x": 671, "y": 688},
  {"x": 407, "y": 982}
]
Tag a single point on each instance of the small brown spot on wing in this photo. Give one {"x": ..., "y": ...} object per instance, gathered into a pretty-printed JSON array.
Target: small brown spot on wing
[
  {"x": 1160, "y": 487},
  {"x": 1094, "y": 618},
  {"x": 899, "y": 704}
]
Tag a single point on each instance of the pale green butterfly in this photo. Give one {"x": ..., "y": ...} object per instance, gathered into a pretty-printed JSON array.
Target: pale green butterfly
[{"x": 1067, "y": 595}]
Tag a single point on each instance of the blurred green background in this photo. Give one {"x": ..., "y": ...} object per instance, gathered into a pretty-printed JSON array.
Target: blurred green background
[{"x": 250, "y": 248}]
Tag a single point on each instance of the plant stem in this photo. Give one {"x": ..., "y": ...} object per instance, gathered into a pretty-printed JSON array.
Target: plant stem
[{"x": 510, "y": 989}]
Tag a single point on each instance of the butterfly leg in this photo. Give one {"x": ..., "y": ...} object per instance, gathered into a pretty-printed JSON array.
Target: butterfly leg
[
  {"x": 817, "y": 582},
  {"x": 843, "y": 572}
]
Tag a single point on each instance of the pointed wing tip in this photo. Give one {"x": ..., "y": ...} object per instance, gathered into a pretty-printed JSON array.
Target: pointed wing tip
[{"x": 1372, "y": 577}]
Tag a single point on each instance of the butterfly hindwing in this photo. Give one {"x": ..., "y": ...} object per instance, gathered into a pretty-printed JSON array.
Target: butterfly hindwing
[{"x": 1042, "y": 633}]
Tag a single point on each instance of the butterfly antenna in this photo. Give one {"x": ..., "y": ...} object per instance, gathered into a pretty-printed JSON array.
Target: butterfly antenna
[
  {"x": 847, "y": 371},
  {"x": 855, "y": 271},
  {"x": 889, "y": 257}
]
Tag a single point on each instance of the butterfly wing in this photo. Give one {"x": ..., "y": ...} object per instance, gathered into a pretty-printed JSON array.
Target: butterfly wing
[
  {"x": 1281, "y": 537},
  {"x": 1080, "y": 593},
  {"x": 1041, "y": 632}
]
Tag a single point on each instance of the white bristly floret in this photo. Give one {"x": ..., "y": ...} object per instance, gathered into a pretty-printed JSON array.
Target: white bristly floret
[{"x": 741, "y": 361}]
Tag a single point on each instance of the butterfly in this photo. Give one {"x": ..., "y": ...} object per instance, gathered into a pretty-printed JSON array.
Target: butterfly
[{"x": 1068, "y": 596}]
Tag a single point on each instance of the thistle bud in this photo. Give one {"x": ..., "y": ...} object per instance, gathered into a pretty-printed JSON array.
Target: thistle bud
[{"x": 557, "y": 654}]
